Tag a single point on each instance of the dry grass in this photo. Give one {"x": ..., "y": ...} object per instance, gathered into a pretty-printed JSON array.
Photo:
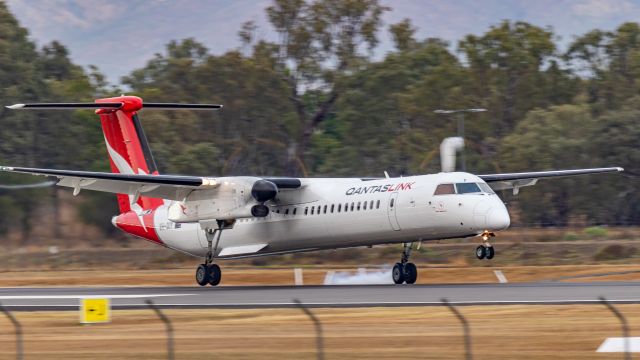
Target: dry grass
[
  {"x": 499, "y": 332},
  {"x": 312, "y": 276}
]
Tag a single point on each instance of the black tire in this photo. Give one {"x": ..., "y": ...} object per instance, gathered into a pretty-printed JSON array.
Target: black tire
[
  {"x": 398, "y": 273},
  {"x": 215, "y": 274},
  {"x": 202, "y": 275},
  {"x": 481, "y": 252},
  {"x": 410, "y": 273},
  {"x": 491, "y": 252}
]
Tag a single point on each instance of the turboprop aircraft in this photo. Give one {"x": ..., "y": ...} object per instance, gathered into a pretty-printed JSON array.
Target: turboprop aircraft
[{"x": 276, "y": 215}]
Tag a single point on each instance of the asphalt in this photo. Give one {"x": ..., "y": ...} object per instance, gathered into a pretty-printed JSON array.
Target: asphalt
[{"x": 58, "y": 298}]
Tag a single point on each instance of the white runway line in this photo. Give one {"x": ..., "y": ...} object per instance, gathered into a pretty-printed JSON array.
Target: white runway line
[
  {"x": 501, "y": 278},
  {"x": 616, "y": 344},
  {"x": 297, "y": 276}
]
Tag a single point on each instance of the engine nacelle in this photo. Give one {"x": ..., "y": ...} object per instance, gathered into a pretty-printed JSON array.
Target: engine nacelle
[{"x": 237, "y": 197}]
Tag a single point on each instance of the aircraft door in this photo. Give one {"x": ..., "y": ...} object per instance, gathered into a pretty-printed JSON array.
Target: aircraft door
[{"x": 392, "y": 206}]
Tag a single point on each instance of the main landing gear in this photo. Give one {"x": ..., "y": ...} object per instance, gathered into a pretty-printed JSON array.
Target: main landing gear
[
  {"x": 404, "y": 271},
  {"x": 486, "y": 250},
  {"x": 210, "y": 273}
]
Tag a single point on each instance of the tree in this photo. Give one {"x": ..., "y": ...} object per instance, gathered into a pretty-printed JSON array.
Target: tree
[
  {"x": 320, "y": 42},
  {"x": 506, "y": 66},
  {"x": 556, "y": 138},
  {"x": 403, "y": 35}
]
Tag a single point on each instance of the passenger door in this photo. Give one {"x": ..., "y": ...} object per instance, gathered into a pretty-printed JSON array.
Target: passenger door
[{"x": 392, "y": 206}]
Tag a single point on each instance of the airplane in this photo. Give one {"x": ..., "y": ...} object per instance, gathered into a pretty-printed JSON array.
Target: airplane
[{"x": 263, "y": 216}]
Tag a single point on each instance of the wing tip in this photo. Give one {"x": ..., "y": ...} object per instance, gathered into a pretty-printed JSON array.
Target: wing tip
[
  {"x": 15, "y": 106},
  {"x": 619, "y": 169},
  {"x": 6, "y": 168}
]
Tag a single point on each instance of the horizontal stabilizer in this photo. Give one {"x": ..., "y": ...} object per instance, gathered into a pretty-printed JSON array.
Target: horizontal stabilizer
[
  {"x": 65, "y": 106},
  {"x": 112, "y": 105},
  {"x": 176, "y": 106}
]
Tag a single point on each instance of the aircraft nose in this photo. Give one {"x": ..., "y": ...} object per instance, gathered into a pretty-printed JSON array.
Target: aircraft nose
[{"x": 498, "y": 218}]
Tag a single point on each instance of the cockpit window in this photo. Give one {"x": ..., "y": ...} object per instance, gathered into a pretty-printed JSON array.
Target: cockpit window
[
  {"x": 445, "y": 189},
  {"x": 467, "y": 188},
  {"x": 486, "y": 188}
]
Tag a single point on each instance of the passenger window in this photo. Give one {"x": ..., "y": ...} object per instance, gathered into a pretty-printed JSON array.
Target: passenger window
[
  {"x": 445, "y": 189},
  {"x": 358, "y": 208},
  {"x": 295, "y": 210},
  {"x": 286, "y": 212},
  {"x": 378, "y": 204},
  {"x": 339, "y": 207},
  {"x": 467, "y": 188},
  {"x": 312, "y": 209},
  {"x": 364, "y": 205},
  {"x": 332, "y": 205},
  {"x": 346, "y": 207},
  {"x": 371, "y": 205},
  {"x": 325, "y": 209},
  {"x": 352, "y": 206},
  {"x": 391, "y": 203}
]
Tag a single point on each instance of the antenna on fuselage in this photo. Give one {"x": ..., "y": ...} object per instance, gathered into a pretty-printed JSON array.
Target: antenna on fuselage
[{"x": 386, "y": 174}]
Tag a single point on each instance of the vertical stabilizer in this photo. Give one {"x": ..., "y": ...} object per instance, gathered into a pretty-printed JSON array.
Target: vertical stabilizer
[{"x": 128, "y": 148}]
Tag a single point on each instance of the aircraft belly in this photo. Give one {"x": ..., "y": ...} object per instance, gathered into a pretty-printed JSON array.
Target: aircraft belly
[{"x": 181, "y": 237}]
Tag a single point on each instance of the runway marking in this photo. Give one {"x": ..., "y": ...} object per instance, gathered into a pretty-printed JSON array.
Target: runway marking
[
  {"x": 37, "y": 297},
  {"x": 501, "y": 278},
  {"x": 297, "y": 277},
  {"x": 617, "y": 344}
]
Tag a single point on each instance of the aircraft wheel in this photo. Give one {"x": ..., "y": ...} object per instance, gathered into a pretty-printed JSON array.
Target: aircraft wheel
[
  {"x": 202, "y": 275},
  {"x": 410, "y": 273},
  {"x": 215, "y": 274},
  {"x": 491, "y": 252},
  {"x": 481, "y": 252},
  {"x": 398, "y": 273}
]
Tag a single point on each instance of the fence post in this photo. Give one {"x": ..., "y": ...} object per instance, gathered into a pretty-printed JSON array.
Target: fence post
[
  {"x": 167, "y": 323},
  {"x": 625, "y": 326},
  {"x": 465, "y": 327},
  {"x": 318, "y": 326},
  {"x": 18, "y": 331}
]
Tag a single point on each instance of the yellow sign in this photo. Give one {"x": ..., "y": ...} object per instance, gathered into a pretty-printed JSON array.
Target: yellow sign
[{"x": 95, "y": 310}]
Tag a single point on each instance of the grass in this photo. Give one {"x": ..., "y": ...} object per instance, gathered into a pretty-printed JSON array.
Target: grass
[{"x": 498, "y": 332}]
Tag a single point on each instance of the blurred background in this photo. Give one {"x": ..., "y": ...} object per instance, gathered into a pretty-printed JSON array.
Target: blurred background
[{"x": 326, "y": 88}]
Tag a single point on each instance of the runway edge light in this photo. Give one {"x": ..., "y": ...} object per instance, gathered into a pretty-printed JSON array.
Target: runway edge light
[{"x": 95, "y": 310}]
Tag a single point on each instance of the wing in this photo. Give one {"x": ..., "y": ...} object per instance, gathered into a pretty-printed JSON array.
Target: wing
[
  {"x": 171, "y": 187},
  {"x": 27, "y": 186},
  {"x": 517, "y": 180}
]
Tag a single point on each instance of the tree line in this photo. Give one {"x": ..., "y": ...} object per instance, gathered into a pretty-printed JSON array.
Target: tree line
[{"x": 315, "y": 102}]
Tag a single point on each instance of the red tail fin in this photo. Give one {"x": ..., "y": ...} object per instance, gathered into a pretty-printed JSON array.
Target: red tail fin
[{"x": 128, "y": 148}]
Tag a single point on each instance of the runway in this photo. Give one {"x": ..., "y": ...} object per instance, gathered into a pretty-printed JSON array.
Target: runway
[{"x": 32, "y": 299}]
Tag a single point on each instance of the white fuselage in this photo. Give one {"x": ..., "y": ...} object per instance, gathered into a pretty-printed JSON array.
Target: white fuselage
[{"x": 338, "y": 213}]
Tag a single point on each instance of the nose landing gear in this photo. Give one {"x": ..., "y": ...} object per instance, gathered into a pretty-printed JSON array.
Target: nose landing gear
[
  {"x": 404, "y": 271},
  {"x": 486, "y": 250}
]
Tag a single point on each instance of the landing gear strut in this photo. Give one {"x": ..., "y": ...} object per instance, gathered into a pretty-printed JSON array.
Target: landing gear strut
[
  {"x": 210, "y": 273},
  {"x": 486, "y": 250},
  {"x": 404, "y": 271}
]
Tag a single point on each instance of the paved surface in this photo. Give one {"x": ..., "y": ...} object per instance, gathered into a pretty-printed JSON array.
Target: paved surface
[{"x": 324, "y": 296}]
